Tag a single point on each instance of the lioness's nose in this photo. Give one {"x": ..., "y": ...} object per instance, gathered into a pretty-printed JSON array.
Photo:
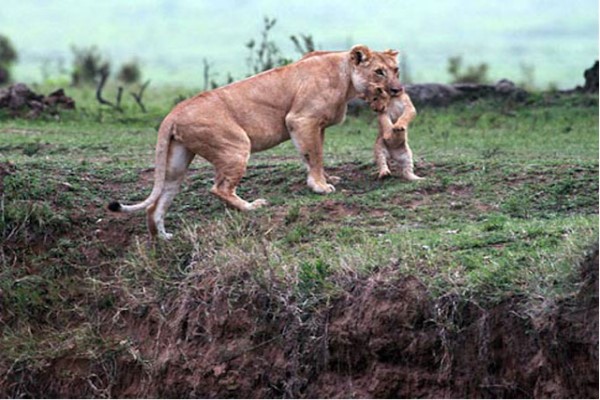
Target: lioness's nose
[{"x": 395, "y": 90}]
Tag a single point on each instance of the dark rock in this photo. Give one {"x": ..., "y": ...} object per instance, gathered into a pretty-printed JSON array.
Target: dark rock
[
  {"x": 355, "y": 106},
  {"x": 591, "y": 79},
  {"x": 20, "y": 100},
  {"x": 435, "y": 94},
  {"x": 439, "y": 94},
  {"x": 58, "y": 97},
  {"x": 4, "y": 97}
]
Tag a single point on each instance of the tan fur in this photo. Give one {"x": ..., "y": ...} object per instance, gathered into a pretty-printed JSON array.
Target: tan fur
[
  {"x": 394, "y": 115},
  {"x": 227, "y": 124}
]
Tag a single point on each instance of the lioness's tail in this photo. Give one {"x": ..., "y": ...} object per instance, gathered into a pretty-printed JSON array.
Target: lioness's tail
[{"x": 162, "y": 152}]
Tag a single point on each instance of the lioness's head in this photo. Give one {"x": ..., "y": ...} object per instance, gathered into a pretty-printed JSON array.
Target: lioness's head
[{"x": 374, "y": 67}]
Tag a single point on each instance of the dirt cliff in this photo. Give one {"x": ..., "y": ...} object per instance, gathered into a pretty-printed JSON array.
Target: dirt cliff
[{"x": 385, "y": 336}]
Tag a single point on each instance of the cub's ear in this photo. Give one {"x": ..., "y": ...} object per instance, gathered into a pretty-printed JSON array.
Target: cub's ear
[
  {"x": 390, "y": 52},
  {"x": 360, "y": 54}
]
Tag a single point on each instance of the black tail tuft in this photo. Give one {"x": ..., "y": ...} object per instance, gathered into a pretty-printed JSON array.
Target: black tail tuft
[{"x": 114, "y": 206}]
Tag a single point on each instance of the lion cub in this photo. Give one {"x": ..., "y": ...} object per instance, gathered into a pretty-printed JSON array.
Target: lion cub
[{"x": 394, "y": 115}]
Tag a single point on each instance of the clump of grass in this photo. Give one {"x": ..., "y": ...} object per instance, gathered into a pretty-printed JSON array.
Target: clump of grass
[{"x": 26, "y": 220}]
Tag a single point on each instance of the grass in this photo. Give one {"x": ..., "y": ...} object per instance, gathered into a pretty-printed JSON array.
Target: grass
[{"x": 509, "y": 206}]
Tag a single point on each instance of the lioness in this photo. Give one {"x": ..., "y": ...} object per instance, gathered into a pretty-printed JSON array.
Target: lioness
[
  {"x": 394, "y": 115},
  {"x": 227, "y": 124}
]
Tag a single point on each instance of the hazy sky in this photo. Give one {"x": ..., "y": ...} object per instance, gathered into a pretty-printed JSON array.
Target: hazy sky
[{"x": 170, "y": 38}]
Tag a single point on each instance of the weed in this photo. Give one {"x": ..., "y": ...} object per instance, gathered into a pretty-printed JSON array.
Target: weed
[
  {"x": 293, "y": 214},
  {"x": 312, "y": 275},
  {"x": 297, "y": 234},
  {"x": 31, "y": 149}
]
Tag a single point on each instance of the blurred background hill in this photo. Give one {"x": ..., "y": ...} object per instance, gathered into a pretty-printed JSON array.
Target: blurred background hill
[{"x": 547, "y": 43}]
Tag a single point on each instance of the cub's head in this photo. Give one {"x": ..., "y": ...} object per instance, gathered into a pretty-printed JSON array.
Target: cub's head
[
  {"x": 374, "y": 67},
  {"x": 377, "y": 98}
]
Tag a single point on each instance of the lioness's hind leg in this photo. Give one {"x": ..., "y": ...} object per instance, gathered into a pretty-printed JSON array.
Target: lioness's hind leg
[
  {"x": 177, "y": 165},
  {"x": 229, "y": 173}
]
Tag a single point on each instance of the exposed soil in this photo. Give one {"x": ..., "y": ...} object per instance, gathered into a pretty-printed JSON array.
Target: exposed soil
[{"x": 383, "y": 337}]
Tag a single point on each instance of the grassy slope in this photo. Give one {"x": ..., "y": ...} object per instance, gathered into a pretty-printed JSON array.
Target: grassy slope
[{"x": 509, "y": 204}]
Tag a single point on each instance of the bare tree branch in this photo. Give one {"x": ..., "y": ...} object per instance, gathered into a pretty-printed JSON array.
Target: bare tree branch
[
  {"x": 104, "y": 72},
  {"x": 138, "y": 96}
]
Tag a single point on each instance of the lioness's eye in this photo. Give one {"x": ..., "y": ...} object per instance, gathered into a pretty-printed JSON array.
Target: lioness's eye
[{"x": 380, "y": 72}]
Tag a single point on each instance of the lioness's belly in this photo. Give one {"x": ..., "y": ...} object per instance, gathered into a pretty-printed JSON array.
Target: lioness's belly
[{"x": 265, "y": 140}]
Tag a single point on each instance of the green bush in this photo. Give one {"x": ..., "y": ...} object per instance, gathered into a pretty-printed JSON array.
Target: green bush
[
  {"x": 265, "y": 54},
  {"x": 473, "y": 74},
  {"x": 130, "y": 72},
  {"x": 88, "y": 66},
  {"x": 8, "y": 56}
]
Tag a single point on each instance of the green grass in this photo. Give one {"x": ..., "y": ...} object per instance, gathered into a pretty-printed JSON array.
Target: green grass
[{"x": 509, "y": 206}]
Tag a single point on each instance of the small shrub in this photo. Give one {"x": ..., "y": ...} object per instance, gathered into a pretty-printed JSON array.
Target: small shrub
[
  {"x": 473, "y": 74},
  {"x": 264, "y": 54},
  {"x": 303, "y": 43},
  {"x": 528, "y": 72},
  {"x": 405, "y": 76},
  {"x": 8, "y": 56},
  {"x": 88, "y": 66},
  {"x": 130, "y": 72}
]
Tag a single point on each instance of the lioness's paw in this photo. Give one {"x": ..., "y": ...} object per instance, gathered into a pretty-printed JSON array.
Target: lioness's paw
[
  {"x": 258, "y": 203},
  {"x": 165, "y": 235},
  {"x": 323, "y": 189},
  {"x": 334, "y": 180},
  {"x": 384, "y": 174},
  {"x": 409, "y": 176},
  {"x": 329, "y": 188},
  {"x": 318, "y": 187}
]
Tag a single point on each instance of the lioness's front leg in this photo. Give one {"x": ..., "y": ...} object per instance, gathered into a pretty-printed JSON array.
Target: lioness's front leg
[
  {"x": 307, "y": 137},
  {"x": 333, "y": 179}
]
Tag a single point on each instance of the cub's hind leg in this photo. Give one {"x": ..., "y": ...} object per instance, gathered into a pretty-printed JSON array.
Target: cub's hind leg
[
  {"x": 381, "y": 158},
  {"x": 404, "y": 157}
]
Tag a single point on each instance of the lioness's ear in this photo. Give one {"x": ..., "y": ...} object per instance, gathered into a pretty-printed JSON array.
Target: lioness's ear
[
  {"x": 390, "y": 52},
  {"x": 360, "y": 54}
]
